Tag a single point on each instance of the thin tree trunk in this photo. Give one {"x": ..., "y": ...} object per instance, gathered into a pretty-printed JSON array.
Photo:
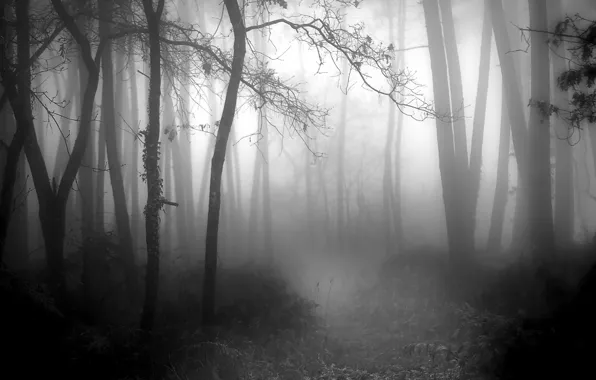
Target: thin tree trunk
[
  {"x": 564, "y": 217},
  {"x": 111, "y": 142},
  {"x": 102, "y": 165},
  {"x": 267, "y": 217},
  {"x": 219, "y": 154},
  {"x": 444, "y": 131},
  {"x": 341, "y": 146},
  {"x": 263, "y": 147},
  {"x": 87, "y": 193},
  {"x": 466, "y": 213},
  {"x": 515, "y": 103},
  {"x": 253, "y": 228},
  {"x": 397, "y": 193},
  {"x": 388, "y": 194},
  {"x": 539, "y": 177},
  {"x": 151, "y": 163},
  {"x": 72, "y": 82},
  {"x": 495, "y": 234},
  {"x": 168, "y": 123},
  {"x": 186, "y": 197},
  {"x": 13, "y": 154},
  {"x": 134, "y": 165},
  {"x": 480, "y": 111},
  {"x": 205, "y": 175},
  {"x": 515, "y": 106}
]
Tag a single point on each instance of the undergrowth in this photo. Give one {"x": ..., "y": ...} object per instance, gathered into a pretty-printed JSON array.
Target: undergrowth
[{"x": 413, "y": 322}]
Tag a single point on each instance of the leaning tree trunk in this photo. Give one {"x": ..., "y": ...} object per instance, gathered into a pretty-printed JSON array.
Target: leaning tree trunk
[
  {"x": 111, "y": 143},
  {"x": 52, "y": 197},
  {"x": 515, "y": 104},
  {"x": 151, "y": 163},
  {"x": 219, "y": 154},
  {"x": 87, "y": 193},
  {"x": 466, "y": 213},
  {"x": 447, "y": 164},
  {"x": 539, "y": 176}
]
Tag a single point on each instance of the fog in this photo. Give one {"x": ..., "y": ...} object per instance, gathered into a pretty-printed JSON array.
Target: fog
[{"x": 327, "y": 244}]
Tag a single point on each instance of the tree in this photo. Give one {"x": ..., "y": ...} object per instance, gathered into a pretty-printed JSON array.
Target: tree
[
  {"x": 445, "y": 137},
  {"x": 540, "y": 217},
  {"x": 391, "y": 189},
  {"x": 151, "y": 165},
  {"x": 52, "y": 196},
  {"x": 219, "y": 155},
  {"x": 564, "y": 201},
  {"x": 495, "y": 233},
  {"x": 515, "y": 110},
  {"x": 111, "y": 144}
]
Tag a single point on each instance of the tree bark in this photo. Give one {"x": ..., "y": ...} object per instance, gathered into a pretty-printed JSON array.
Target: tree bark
[
  {"x": 480, "y": 112},
  {"x": 515, "y": 106},
  {"x": 134, "y": 165},
  {"x": 112, "y": 144},
  {"x": 497, "y": 219},
  {"x": 151, "y": 163},
  {"x": 13, "y": 154},
  {"x": 52, "y": 198},
  {"x": 90, "y": 211},
  {"x": 447, "y": 164},
  {"x": 466, "y": 211},
  {"x": 513, "y": 92},
  {"x": 219, "y": 154},
  {"x": 341, "y": 147},
  {"x": 564, "y": 217},
  {"x": 539, "y": 176}
]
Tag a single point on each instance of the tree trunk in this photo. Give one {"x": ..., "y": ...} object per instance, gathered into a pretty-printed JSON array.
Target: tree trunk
[
  {"x": 480, "y": 112},
  {"x": 168, "y": 123},
  {"x": 539, "y": 176},
  {"x": 388, "y": 193},
  {"x": 515, "y": 106},
  {"x": 219, "y": 154},
  {"x": 111, "y": 143},
  {"x": 447, "y": 164},
  {"x": 72, "y": 82},
  {"x": 89, "y": 213},
  {"x": 52, "y": 199},
  {"x": 13, "y": 154},
  {"x": 497, "y": 219},
  {"x": 466, "y": 213},
  {"x": 102, "y": 165},
  {"x": 253, "y": 228},
  {"x": 341, "y": 147},
  {"x": 513, "y": 92},
  {"x": 151, "y": 163},
  {"x": 134, "y": 165},
  {"x": 564, "y": 217},
  {"x": 203, "y": 196},
  {"x": 397, "y": 201}
]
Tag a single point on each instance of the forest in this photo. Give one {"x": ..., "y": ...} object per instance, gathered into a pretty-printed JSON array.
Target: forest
[{"x": 300, "y": 189}]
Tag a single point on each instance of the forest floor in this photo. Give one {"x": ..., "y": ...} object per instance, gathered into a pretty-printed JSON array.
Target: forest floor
[{"x": 413, "y": 320}]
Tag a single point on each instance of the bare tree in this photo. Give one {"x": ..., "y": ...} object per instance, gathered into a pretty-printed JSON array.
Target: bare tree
[{"x": 151, "y": 164}]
